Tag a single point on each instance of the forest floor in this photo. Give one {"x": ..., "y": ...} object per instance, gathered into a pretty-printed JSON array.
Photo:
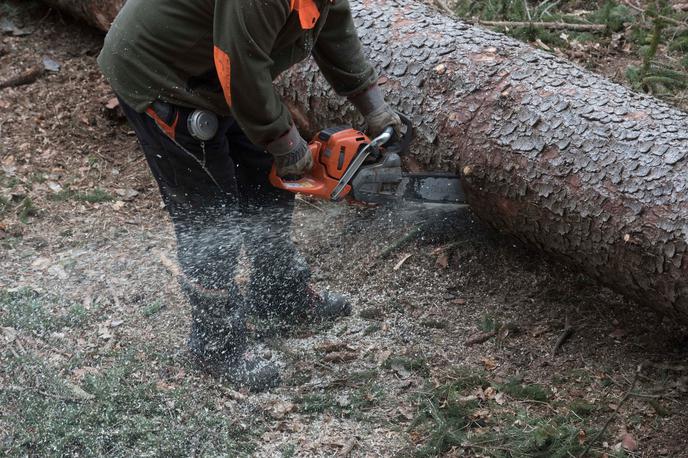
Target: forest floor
[{"x": 450, "y": 349}]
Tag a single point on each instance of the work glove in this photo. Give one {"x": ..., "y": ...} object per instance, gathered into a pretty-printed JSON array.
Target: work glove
[
  {"x": 293, "y": 158},
  {"x": 377, "y": 113}
]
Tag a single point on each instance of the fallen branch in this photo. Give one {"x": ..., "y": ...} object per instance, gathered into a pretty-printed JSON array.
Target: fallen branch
[
  {"x": 27, "y": 77},
  {"x": 670, "y": 367},
  {"x": 643, "y": 11},
  {"x": 563, "y": 337},
  {"x": 452, "y": 245},
  {"x": 400, "y": 242},
  {"x": 545, "y": 25},
  {"x": 481, "y": 338},
  {"x": 501, "y": 332},
  {"x": 170, "y": 265},
  {"x": 401, "y": 262}
]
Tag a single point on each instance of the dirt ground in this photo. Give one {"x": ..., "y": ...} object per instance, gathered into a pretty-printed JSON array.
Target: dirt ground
[{"x": 91, "y": 315}]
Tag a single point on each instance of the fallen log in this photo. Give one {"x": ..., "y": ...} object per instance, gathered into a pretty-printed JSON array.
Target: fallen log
[{"x": 565, "y": 160}]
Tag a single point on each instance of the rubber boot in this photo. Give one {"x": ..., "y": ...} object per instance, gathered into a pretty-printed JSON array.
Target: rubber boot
[
  {"x": 323, "y": 306},
  {"x": 218, "y": 340},
  {"x": 281, "y": 290}
]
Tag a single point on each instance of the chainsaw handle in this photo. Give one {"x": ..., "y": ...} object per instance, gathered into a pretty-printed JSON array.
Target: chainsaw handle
[
  {"x": 401, "y": 145},
  {"x": 313, "y": 183},
  {"x": 299, "y": 183}
]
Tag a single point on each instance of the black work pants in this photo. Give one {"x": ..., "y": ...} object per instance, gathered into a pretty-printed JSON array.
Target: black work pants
[{"x": 219, "y": 197}]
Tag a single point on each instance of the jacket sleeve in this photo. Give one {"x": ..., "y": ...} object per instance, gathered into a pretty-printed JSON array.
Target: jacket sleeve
[
  {"x": 339, "y": 54},
  {"x": 244, "y": 33}
]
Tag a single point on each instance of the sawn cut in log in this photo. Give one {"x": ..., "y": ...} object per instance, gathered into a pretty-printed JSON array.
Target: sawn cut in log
[{"x": 565, "y": 160}]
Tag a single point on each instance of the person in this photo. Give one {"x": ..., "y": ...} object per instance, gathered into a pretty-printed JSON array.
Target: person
[{"x": 195, "y": 81}]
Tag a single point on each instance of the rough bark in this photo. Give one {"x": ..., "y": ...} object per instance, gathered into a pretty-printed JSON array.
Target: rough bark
[{"x": 566, "y": 161}]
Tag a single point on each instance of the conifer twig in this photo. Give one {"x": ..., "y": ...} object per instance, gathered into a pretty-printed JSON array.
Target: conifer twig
[
  {"x": 545, "y": 25},
  {"x": 564, "y": 336},
  {"x": 27, "y": 77}
]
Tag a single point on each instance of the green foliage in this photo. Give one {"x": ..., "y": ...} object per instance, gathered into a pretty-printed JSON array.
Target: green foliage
[
  {"x": 449, "y": 417},
  {"x": 434, "y": 324},
  {"x": 114, "y": 414},
  {"x": 23, "y": 207},
  {"x": 95, "y": 196},
  {"x": 288, "y": 451},
  {"x": 633, "y": 76},
  {"x": 26, "y": 210},
  {"x": 525, "y": 391},
  {"x": 351, "y": 404},
  {"x": 444, "y": 414},
  {"x": 659, "y": 408},
  {"x": 37, "y": 177},
  {"x": 316, "y": 403},
  {"x": 27, "y": 310},
  {"x": 450, "y": 421},
  {"x": 418, "y": 365},
  {"x": 363, "y": 376},
  {"x": 509, "y": 10},
  {"x": 529, "y": 436},
  {"x": 488, "y": 323},
  {"x": 613, "y": 15},
  {"x": 582, "y": 408},
  {"x": 152, "y": 308},
  {"x": 647, "y": 31},
  {"x": 679, "y": 44},
  {"x": 372, "y": 313},
  {"x": 372, "y": 329},
  {"x": 24, "y": 310},
  {"x": 4, "y": 204}
]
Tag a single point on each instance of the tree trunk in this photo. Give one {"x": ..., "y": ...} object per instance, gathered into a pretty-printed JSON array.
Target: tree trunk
[{"x": 563, "y": 159}]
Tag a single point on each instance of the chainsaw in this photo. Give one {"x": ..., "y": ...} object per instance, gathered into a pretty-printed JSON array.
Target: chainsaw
[{"x": 348, "y": 164}]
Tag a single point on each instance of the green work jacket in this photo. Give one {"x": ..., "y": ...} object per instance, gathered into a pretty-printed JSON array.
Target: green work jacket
[{"x": 223, "y": 55}]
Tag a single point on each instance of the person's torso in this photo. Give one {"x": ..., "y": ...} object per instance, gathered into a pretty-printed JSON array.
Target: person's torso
[{"x": 164, "y": 49}]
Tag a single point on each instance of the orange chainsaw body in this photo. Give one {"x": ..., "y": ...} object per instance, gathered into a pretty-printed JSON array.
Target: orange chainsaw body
[{"x": 333, "y": 151}]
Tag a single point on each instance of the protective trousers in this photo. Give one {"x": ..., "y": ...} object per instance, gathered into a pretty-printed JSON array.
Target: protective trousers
[{"x": 219, "y": 198}]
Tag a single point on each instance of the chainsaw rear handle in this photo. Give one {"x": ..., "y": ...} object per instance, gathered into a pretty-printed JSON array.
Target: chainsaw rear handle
[{"x": 314, "y": 183}]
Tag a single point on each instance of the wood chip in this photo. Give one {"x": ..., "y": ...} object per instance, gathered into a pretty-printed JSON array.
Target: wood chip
[
  {"x": 629, "y": 443},
  {"x": 398, "y": 265},
  {"x": 170, "y": 265},
  {"x": 348, "y": 447},
  {"x": 112, "y": 103}
]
